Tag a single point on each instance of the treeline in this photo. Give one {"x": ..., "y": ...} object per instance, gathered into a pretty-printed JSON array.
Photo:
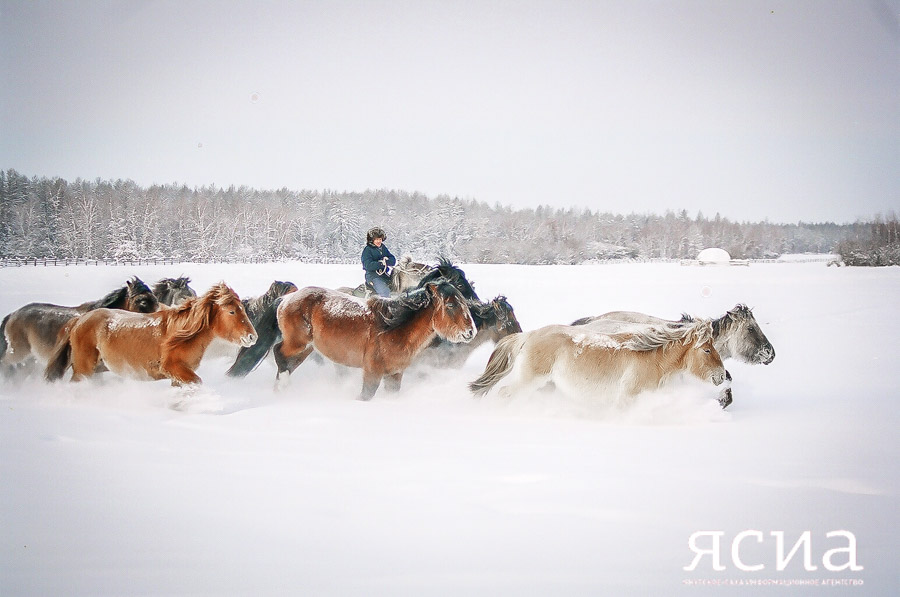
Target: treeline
[
  {"x": 880, "y": 247},
  {"x": 100, "y": 219}
]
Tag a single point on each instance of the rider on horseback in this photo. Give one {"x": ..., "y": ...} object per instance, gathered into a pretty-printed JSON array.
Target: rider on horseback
[{"x": 378, "y": 262}]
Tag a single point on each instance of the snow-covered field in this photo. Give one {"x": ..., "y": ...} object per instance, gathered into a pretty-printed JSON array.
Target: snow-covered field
[{"x": 106, "y": 489}]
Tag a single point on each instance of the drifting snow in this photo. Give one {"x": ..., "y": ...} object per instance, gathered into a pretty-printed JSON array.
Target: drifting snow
[{"x": 120, "y": 487}]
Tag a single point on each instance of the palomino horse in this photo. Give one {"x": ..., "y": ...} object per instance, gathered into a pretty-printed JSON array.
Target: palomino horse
[
  {"x": 31, "y": 332},
  {"x": 262, "y": 313},
  {"x": 167, "y": 344},
  {"x": 735, "y": 335},
  {"x": 493, "y": 320},
  {"x": 380, "y": 336},
  {"x": 582, "y": 362},
  {"x": 173, "y": 291}
]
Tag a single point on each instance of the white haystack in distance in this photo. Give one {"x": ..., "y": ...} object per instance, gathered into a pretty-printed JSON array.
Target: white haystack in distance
[{"x": 714, "y": 255}]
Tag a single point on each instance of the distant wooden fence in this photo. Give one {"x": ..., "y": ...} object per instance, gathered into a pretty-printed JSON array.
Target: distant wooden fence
[
  {"x": 53, "y": 262},
  {"x": 65, "y": 262}
]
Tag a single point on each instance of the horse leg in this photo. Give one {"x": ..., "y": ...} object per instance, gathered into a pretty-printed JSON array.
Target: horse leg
[
  {"x": 725, "y": 397},
  {"x": 392, "y": 382},
  {"x": 84, "y": 362},
  {"x": 180, "y": 373},
  {"x": 371, "y": 381},
  {"x": 288, "y": 362}
]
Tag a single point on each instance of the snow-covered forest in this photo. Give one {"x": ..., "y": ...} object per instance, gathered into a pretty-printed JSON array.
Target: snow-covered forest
[{"x": 51, "y": 217}]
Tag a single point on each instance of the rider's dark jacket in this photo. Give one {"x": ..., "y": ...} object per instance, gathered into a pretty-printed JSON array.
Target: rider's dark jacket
[{"x": 371, "y": 259}]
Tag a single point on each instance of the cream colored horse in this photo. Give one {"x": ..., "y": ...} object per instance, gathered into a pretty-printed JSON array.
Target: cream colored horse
[{"x": 582, "y": 362}]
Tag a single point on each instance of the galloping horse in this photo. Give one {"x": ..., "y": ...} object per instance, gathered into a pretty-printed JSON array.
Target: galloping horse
[
  {"x": 735, "y": 335},
  {"x": 167, "y": 344},
  {"x": 31, "y": 332},
  {"x": 173, "y": 291},
  {"x": 493, "y": 320},
  {"x": 579, "y": 361},
  {"x": 381, "y": 336}
]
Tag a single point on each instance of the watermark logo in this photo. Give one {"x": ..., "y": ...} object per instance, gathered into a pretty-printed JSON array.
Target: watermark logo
[{"x": 707, "y": 548}]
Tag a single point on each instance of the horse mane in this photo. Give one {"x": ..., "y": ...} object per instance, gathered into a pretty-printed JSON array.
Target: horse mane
[
  {"x": 257, "y": 305},
  {"x": 740, "y": 314},
  {"x": 445, "y": 269},
  {"x": 168, "y": 284},
  {"x": 697, "y": 331},
  {"x": 392, "y": 313},
  {"x": 487, "y": 313},
  {"x": 195, "y": 314},
  {"x": 482, "y": 313},
  {"x": 117, "y": 297}
]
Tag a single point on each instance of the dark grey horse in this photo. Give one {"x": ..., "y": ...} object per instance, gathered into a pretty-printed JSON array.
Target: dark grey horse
[{"x": 173, "y": 291}]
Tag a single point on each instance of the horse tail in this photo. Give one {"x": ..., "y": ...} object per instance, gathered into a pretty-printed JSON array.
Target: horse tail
[
  {"x": 499, "y": 364},
  {"x": 60, "y": 361},
  {"x": 268, "y": 333},
  {"x": 3, "y": 344}
]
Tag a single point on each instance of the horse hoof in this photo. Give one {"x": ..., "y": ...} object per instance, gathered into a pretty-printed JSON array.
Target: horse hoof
[{"x": 725, "y": 400}]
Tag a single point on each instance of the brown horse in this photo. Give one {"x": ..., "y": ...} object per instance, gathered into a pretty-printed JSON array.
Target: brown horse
[
  {"x": 167, "y": 344},
  {"x": 31, "y": 332},
  {"x": 380, "y": 336},
  {"x": 582, "y": 362}
]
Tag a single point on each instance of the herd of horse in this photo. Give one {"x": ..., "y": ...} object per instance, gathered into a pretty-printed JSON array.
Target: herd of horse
[{"x": 433, "y": 318}]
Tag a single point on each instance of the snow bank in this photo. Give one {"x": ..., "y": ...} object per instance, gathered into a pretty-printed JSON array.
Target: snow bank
[{"x": 119, "y": 487}]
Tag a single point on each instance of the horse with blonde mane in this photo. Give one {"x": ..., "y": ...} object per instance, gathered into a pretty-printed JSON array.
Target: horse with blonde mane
[
  {"x": 167, "y": 344},
  {"x": 581, "y": 362},
  {"x": 735, "y": 335}
]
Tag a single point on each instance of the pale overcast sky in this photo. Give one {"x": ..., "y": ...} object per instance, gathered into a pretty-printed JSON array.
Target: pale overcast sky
[{"x": 785, "y": 110}]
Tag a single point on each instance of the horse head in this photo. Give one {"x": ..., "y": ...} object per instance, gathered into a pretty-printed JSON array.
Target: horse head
[
  {"x": 505, "y": 322},
  {"x": 173, "y": 291},
  {"x": 740, "y": 336},
  {"x": 227, "y": 317},
  {"x": 701, "y": 357},
  {"x": 277, "y": 289},
  {"x": 451, "y": 319},
  {"x": 139, "y": 298}
]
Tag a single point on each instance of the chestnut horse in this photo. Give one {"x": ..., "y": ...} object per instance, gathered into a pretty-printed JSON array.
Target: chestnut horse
[
  {"x": 379, "y": 335},
  {"x": 31, "y": 332},
  {"x": 579, "y": 361},
  {"x": 167, "y": 344}
]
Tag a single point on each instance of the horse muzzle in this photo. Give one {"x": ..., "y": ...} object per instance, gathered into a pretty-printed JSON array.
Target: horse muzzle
[
  {"x": 765, "y": 356},
  {"x": 248, "y": 340},
  {"x": 465, "y": 336},
  {"x": 718, "y": 378}
]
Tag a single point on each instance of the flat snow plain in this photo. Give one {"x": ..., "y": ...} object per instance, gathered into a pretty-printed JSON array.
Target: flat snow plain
[{"x": 107, "y": 489}]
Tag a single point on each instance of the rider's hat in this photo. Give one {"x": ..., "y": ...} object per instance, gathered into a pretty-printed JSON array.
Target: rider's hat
[{"x": 374, "y": 233}]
